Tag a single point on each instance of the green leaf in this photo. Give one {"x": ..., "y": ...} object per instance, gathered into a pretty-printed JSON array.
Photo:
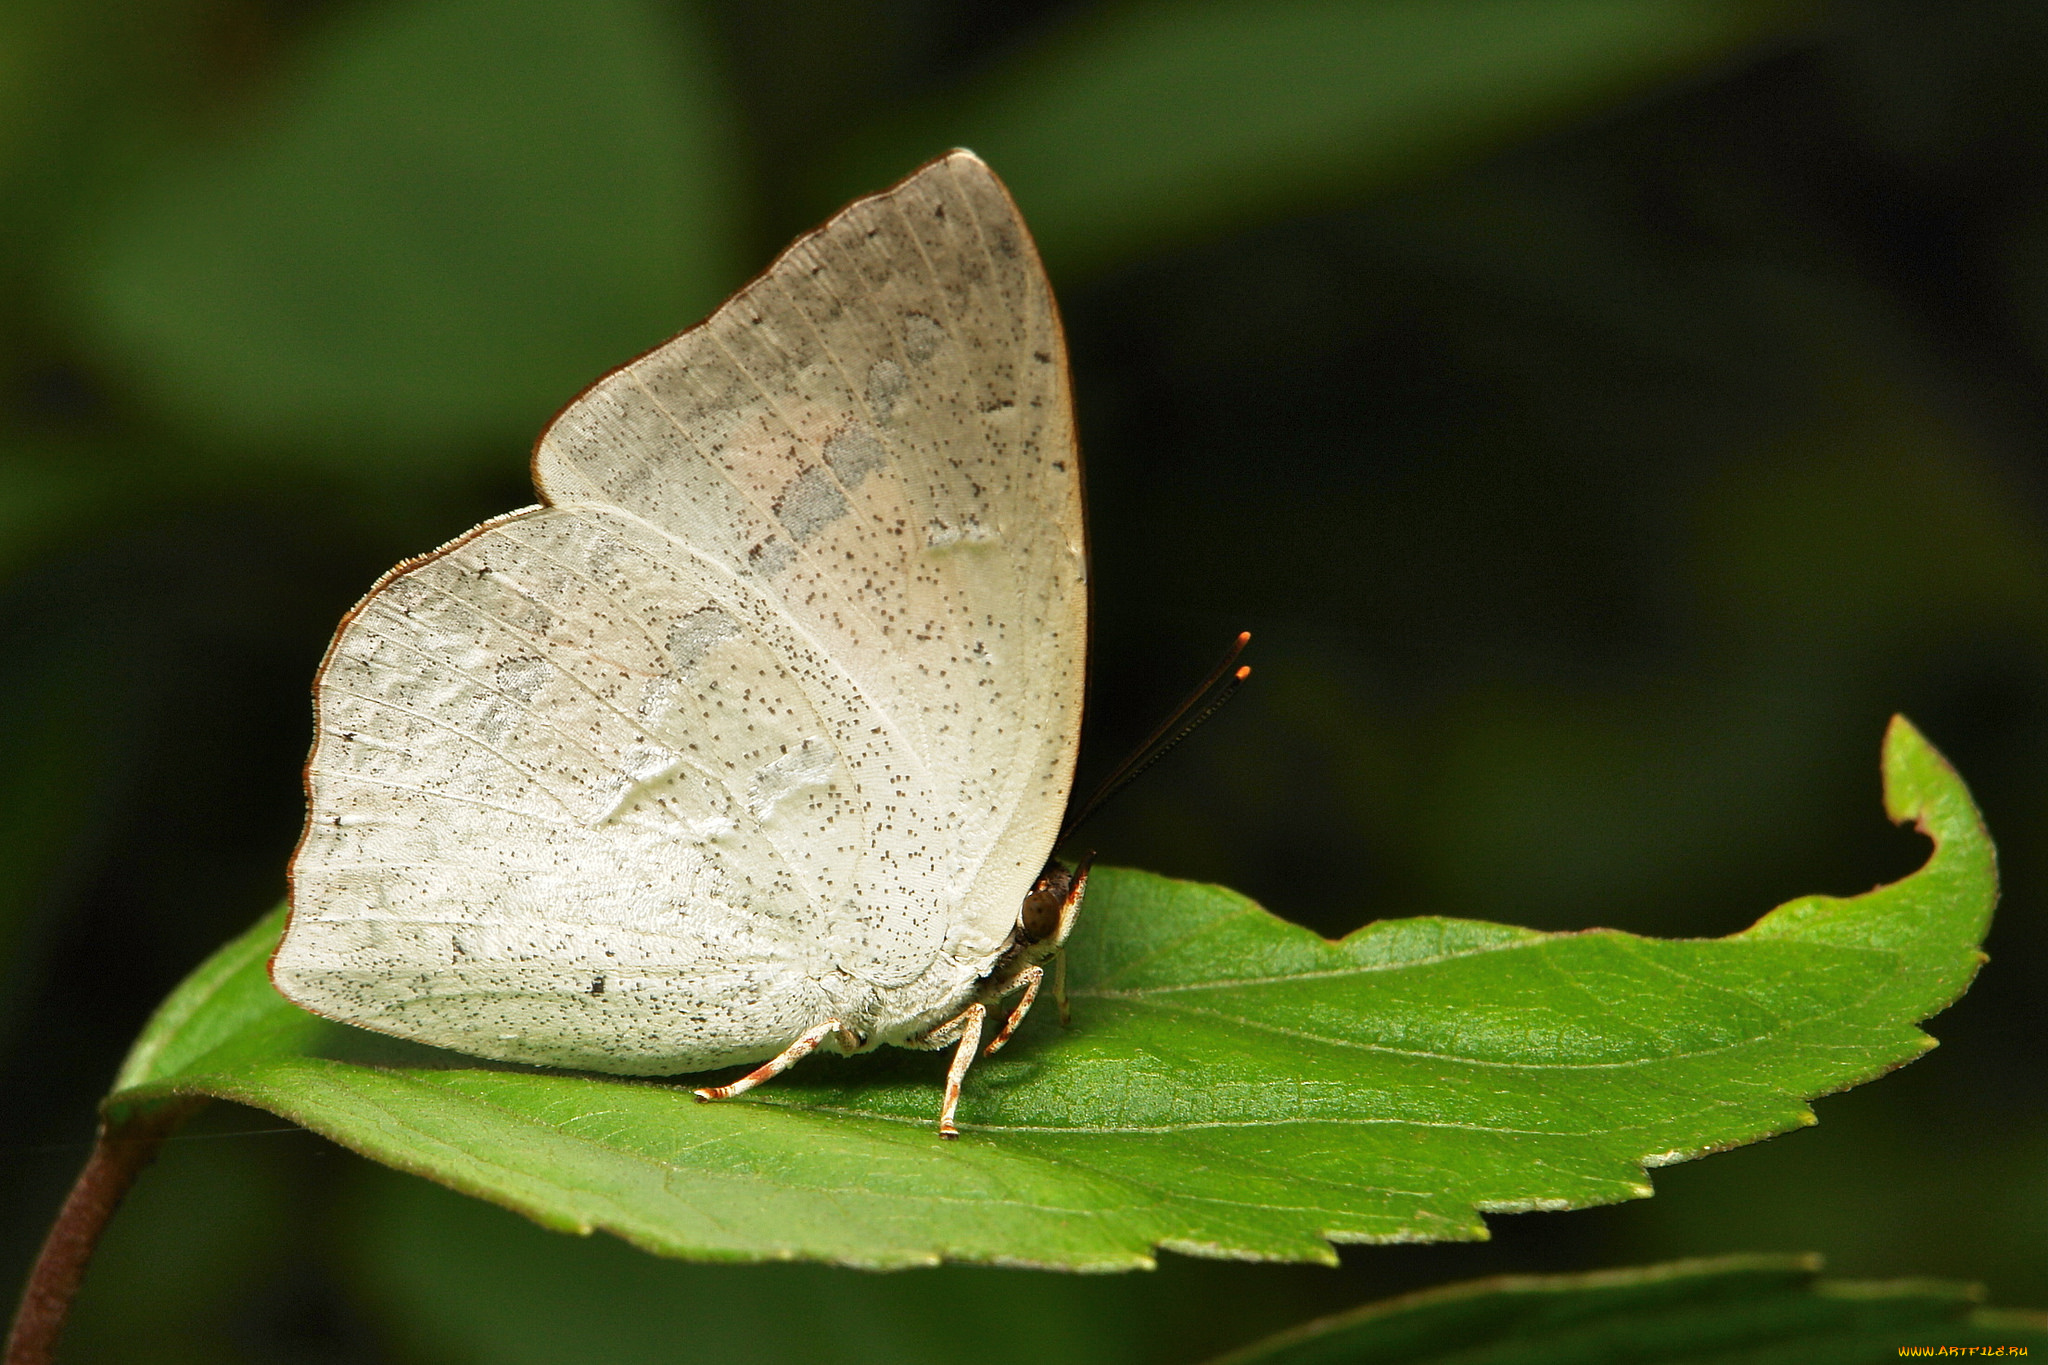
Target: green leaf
[
  {"x": 456, "y": 214},
  {"x": 1730, "y": 1309},
  {"x": 1232, "y": 1085},
  {"x": 1147, "y": 123}
]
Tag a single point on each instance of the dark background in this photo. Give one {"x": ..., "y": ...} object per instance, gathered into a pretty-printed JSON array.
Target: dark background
[{"x": 1604, "y": 412}]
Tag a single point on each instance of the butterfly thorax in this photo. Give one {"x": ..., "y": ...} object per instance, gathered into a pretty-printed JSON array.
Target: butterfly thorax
[{"x": 904, "y": 1016}]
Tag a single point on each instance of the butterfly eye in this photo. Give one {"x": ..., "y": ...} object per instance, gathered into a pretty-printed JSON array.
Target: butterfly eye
[{"x": 1039, "y": 919}]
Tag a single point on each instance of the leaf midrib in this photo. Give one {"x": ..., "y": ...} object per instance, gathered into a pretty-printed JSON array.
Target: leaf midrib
[{"x": 1262, "y": 1026}]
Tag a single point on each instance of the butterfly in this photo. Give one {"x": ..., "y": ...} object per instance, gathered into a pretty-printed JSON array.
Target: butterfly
[{"x": 754, "y": 736}]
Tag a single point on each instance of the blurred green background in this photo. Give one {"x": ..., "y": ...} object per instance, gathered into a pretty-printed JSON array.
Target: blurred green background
[{"x": 1604, "y": 412}]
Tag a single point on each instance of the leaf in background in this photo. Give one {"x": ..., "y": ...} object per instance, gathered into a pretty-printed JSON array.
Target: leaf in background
[
  {"x": 53, "y": 493},
  {"x": 458, "y": 214},
  {"x": 1233, "y": 1085},
  {"x": 66, "y": 718},
  {"x": 1735, "y": 1308},
  {"x": 78, "y": 80},
  {"x": 474, "y": 1284},
  {"x": 1150, "y": 123}
]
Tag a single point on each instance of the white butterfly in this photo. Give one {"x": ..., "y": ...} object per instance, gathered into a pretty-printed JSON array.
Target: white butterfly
[{"x": 755, "y": 734}]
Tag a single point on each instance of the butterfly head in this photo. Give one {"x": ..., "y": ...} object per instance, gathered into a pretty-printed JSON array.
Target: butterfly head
[{"x": 1050, "y": 907}]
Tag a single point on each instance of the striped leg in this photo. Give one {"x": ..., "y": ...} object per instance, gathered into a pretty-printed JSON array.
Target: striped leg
[
  {"x": 1070, "y": 907},
  {"x": 768, "y": 1070},
  {"x": 1029, "y": 979},
  {"x": 969, "y": 1023}
]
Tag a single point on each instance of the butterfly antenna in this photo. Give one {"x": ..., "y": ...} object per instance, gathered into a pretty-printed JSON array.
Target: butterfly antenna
[{"x": 1193, "y": 712}]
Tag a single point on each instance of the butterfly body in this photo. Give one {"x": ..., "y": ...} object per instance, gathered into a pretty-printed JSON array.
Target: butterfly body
[{"x": 764, "y": 719}]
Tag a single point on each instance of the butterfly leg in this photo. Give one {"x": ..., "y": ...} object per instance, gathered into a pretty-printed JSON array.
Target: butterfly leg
[
  {"x": 1069, "y": 908},
  {"x": 1030, "y": 979},
  {"x": 768, "y": 1070},
  {"x": 966, "y": 1025}
]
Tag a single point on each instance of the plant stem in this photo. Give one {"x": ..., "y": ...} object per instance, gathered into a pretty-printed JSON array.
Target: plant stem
[{"x": 124, "y": 1148}]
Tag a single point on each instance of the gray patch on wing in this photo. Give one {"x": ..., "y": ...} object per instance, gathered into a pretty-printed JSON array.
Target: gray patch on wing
[
  {"x": 522, "y": 613},
  {"x": 697, "y": 634},
  {"x": 770, "y": 557},
  {"x": 659, "y": 695},
  {"x": 640, "y": 767},
  {"x": 886, "y": 382},
  {"x": 647, "y": 761},
  {"x": 404, "y": 594},
  {"x": 810, "y": 503},
  {"x": 970, "y": 530},
  {"x": 921, "y": 337},
  {"x": 600, "y": 552},
  {"x": 496, "y": 720},
  {"x": 524, "y": 678},
  {"x": 810, "y": 766},
  {"x": 854, "y": 453}
]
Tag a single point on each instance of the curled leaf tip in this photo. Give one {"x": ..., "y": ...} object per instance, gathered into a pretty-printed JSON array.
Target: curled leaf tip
[{"x": 1916, "y": 776}]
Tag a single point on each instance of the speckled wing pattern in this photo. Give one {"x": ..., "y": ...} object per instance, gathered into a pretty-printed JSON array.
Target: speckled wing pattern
[{"x": 765, "y": 717}]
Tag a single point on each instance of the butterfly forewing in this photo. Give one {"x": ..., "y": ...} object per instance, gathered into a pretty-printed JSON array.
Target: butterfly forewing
[{"x": 767, "y": 717}]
